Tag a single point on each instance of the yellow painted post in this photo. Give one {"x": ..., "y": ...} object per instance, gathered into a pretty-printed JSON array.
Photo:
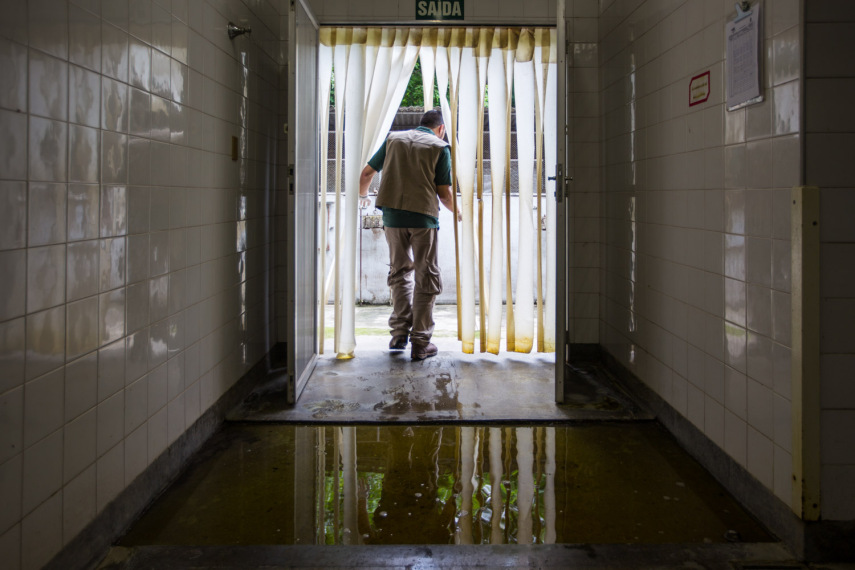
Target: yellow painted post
[{"x": 805, "y": 254}]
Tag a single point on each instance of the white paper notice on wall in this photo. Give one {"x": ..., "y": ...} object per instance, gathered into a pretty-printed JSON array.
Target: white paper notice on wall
[{"x": 743, "y": 35}]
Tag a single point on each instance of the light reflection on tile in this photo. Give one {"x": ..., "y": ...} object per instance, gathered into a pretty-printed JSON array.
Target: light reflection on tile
[
  {"x": 13, "y": 61},
  {"x": 159, "y": 242},
  {"x": 114, "y": 211},
  {"x": 159, "y": 118},
  {"x": 45, "y": 277},
  {"x": 138, "y": 257},
  {"x": 158, "y": 289},
  {"x": 84, "y": 97},
  {"x": 48, "y": 86},
  {"x": 114, "y": 106},
  {"x": 139, "y": 65},
  {"x": 48, "y": 150},
  {"x": 114, "y": 158},
  {"x": 82, "y": 269},
  {"x": 13, "y": 145},
  {"x": 81, "y": 327},
  {"x": 45, "y": 341},
  {"x": 140, "y": 118},
  {"x": 46, "y": 208},
  {"x": 158, "y": 336},
  {"x": 114, "y": 51},
  {"x": 161, "y": 28},
  {"x": 161, "y": 73},
  {"x": 136, "y": 356},
  {"x": 83, "y": 154},
  {"x": 112, "y": 264},
  {"x": 112, "y": 316},
  {"x": 83, "y": 211},
  {"x": 84, "y": 31}
]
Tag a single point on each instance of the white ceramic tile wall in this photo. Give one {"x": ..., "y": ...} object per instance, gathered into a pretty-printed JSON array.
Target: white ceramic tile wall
[
  {"x": 133, "y": 251},
  {"x": 695, "y": 212},
  {"x": 830, "y": 129}
]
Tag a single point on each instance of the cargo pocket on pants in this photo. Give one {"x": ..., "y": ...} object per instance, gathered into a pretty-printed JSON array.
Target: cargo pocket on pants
[{"x": 431, "y": 281}]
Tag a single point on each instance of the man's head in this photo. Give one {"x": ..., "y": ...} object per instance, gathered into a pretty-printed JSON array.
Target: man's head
[{"x": 433, "y": 120}]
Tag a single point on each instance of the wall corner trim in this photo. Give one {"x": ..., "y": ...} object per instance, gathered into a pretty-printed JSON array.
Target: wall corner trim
[{"x": 806, "y": 406}]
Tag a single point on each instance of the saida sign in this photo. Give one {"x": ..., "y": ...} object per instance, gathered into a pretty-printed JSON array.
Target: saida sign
[{"x": 439, "y": 9}]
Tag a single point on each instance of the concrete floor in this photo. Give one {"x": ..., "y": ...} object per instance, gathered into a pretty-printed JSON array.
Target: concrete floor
[
  {"x": 384, "y": 389},
  {"x": 380, "y": 385}
]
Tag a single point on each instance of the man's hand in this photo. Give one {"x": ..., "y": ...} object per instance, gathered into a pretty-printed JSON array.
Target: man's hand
[{"x": 364, "y": 202}]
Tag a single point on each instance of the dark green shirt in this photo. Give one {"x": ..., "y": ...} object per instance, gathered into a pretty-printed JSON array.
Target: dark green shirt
[{"x": 393, "y": 218}]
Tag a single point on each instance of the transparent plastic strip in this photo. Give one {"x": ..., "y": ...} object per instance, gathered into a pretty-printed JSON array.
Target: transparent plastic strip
[
  {"x": 325, "y": 57},
  {"x": 467, "y": 138},
  {"x": 341, "y": 55},
  {"x": 484, "y": 43},
  {"x": 498, "y": 120},
  {"x": 539, "y": 79},
  {"x": 355, "y": 123},
  {"x": 524, "y": 92}
]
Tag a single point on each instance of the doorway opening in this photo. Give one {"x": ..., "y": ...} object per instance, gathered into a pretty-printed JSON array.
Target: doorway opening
[{"x": 497, "y": 90}]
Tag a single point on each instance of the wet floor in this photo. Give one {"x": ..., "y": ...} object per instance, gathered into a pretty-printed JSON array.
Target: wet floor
[{"x": 598, "y": 483}]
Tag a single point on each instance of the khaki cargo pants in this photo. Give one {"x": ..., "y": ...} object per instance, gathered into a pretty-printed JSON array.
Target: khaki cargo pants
[{"x": 415, "y": 280}]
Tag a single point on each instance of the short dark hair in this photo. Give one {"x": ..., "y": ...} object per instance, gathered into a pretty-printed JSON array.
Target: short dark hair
[{"x": 431, "y": 119}]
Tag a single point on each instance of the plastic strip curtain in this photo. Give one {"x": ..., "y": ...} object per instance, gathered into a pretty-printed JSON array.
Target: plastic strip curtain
[
  {"x": 325, "y": 61},
  {"x": 372, "y": 67},
  {"x": 510, "y": 64},
  {"x": 524, "y": 93}
]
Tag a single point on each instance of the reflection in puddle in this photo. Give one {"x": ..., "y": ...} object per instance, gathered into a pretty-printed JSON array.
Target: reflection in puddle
[
  {"x": 437, "y": 485},
  {"x": 451, "y": 484}
]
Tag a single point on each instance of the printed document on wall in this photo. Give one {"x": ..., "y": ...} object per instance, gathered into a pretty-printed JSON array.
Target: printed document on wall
[{"x": 743, "y": 59}]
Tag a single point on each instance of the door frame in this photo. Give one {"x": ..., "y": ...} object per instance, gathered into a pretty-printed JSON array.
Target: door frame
[
  {"x": 562, "y": 179},
  {"x": 301, "y": 229}
]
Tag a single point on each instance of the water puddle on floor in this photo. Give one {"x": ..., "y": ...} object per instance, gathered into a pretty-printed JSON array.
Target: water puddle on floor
[{"x": 443, "y": 484}]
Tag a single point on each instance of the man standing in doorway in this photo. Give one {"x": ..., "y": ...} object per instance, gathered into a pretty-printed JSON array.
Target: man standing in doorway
[{"x": 417, "y": 167}]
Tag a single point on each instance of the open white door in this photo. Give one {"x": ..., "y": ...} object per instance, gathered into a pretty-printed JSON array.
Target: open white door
[
  {"x": 561, "y": 217},
  {"x": 303, "y": 171}
]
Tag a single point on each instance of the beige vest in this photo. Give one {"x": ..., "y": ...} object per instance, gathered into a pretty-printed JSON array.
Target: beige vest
[{"x": 408, "y": 172}]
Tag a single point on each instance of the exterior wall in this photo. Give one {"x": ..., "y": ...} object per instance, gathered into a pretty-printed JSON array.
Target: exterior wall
[
  {"x": 830, "y": 136},
  {"x": 696, "y": 222},
  {"x": 135, "y": 253}
]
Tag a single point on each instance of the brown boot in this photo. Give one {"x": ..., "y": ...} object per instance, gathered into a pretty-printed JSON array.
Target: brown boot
[
  {"x": 398, "y": 342},
  {"x": 422, "y": 351}
]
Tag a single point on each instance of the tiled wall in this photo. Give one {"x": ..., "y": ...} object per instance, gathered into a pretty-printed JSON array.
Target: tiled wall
[
  {"x": 696, "y": 251},
  {"x": 135, "y": 254},
  {"x": 583, "y": 234},
  {"x": 830, "y": 138}
]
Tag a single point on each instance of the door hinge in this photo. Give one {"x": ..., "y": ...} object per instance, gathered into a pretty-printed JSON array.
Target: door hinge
[
  {"x": 567, "y": 47},
  {"x": 291, "y": 179}
]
